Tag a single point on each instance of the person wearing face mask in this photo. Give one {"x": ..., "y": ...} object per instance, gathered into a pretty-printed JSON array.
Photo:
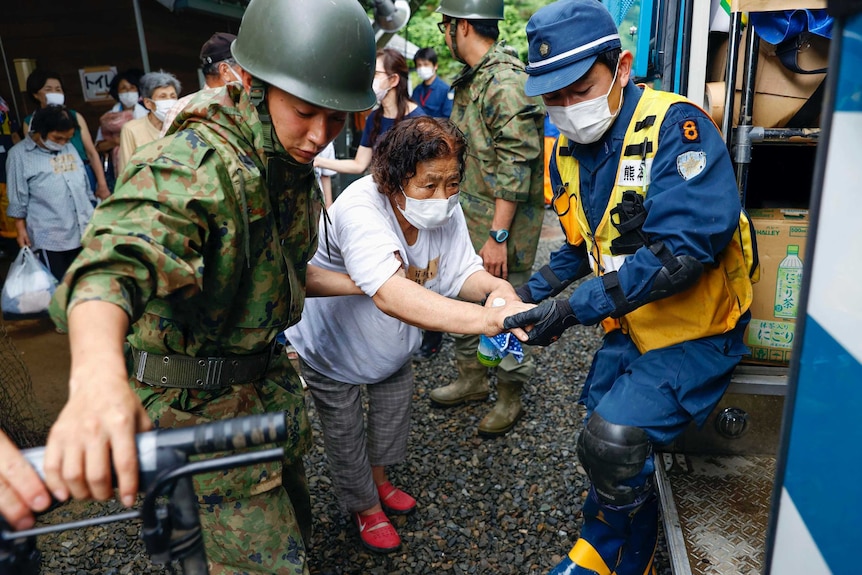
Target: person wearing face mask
[
  {"x": 400, "y": 235},
  {"x": 432, "y": 93},
  {"x": 394, "y": 105},
  {"x": 218, "y": 67},
  {"x": 192, "y": 268},
  {"x": 434, "y": 96},
  {"x": 647, "y": 198},
  {"x": 125, "y": 88},
  {"x": 45, "y": 88},
  {"x": 49, "y": 195},
  {"x": 159, "y": 91},
  {"x": 502, "y": 192}
]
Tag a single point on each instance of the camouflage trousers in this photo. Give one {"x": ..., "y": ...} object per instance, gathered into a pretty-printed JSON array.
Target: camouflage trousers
[{"x": 262, "y": 534}]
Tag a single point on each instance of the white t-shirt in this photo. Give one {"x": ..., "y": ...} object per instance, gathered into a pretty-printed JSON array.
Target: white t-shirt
[{"x": 347, "y": 338}]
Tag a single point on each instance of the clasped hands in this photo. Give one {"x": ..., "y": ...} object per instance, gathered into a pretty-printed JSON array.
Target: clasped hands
[{"x": 543, "y": 324}]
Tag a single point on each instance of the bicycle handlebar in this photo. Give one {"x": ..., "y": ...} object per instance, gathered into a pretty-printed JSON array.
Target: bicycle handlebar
[
  {"x": 224, "y": 435},
  {"x": 162, "y": 458}
]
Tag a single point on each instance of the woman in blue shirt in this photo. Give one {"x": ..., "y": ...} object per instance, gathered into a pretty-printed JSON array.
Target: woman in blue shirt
[{"x": 49, "y": 196}]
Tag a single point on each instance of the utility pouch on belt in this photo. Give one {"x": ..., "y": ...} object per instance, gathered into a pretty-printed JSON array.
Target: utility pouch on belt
[
  {"x": 628, "y": 218},
  {"x": 204, "y": 373}
]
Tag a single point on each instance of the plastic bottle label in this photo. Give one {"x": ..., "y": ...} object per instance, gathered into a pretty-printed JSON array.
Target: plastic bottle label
[{"x": 788, "y": 284}]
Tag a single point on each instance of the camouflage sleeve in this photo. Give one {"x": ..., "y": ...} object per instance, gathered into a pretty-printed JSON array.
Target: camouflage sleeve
[
  {"x": 515, "y": 122},
  {"x": 148, "y": 239}
]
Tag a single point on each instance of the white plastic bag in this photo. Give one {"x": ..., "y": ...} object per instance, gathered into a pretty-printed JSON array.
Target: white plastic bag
[{"x": 28, "y": 288}]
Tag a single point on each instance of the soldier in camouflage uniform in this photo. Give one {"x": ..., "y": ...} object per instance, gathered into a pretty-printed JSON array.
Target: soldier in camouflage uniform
[
  {"x": 501, "y": 193},
  {"x": 195, "y": 264}
]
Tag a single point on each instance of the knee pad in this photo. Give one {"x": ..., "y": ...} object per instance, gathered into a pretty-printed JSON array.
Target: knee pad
[{"x": 613, "y": 454}]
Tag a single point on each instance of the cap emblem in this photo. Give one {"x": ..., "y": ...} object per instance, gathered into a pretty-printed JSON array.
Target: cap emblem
[{"x": 544, "y": 49}]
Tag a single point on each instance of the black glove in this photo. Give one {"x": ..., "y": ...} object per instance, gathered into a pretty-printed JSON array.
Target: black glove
[
  {"x": 549, "y": 319},
  {"x": 524, "y": 293}
]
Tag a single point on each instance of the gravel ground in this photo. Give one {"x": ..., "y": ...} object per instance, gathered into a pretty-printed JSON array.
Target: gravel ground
[{"x": 510, "y": 505}]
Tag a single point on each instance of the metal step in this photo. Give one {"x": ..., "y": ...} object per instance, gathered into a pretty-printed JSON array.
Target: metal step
[{"x": 715, "y": 511}]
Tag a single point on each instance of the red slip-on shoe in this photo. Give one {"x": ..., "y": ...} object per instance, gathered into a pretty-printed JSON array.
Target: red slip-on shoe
[
  {"x": 377, "y": 533},
  {"x": 395, "y": 501}
]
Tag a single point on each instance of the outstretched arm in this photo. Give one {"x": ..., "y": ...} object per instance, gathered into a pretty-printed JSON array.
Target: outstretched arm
[
  {"x": 413, "y": 304},
  {"x": 357, "y": 165}
]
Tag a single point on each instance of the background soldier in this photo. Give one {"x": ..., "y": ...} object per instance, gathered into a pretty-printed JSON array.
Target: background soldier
[{"x": 501, "y": 193}]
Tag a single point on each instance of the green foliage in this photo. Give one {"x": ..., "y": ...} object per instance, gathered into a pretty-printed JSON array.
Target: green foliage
[{"x": 422, "y": 31}]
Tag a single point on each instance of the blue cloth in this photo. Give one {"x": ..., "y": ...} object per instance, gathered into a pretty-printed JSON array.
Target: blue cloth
[
  {"x": 434, "y": 99},
  {"x": 506, "y": 344},
  {"x": 385, "y": 125},
  {"x": 776, "y": 27},
  {"x": 49, "y": 190},
  {"x": 551, "y": 130}
]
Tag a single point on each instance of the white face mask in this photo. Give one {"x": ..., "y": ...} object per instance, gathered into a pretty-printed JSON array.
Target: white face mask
[
  {"x": 425, "y": 72},
  {"x": 55, "y": 98},
  {"x": 234, "y": 74},
  {"x": 378, "y": 91},
  {"x": 585, "y": 122},
  {"x": 428, "y": 214},
  {"x": 162, "y": 108},
  {"x": 52, "y": 146},
  {"x": 128, "y": 99}
]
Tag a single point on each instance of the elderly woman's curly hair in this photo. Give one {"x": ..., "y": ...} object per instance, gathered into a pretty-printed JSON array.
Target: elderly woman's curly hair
[{"x": 410, "y": 142}]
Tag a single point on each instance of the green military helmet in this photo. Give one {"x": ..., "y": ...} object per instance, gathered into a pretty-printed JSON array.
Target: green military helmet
[
  {"x": 288, "y": 44},
  {"x": 472, "y": 9}
]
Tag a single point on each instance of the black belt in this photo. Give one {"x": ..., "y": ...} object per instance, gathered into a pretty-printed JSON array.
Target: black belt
[{"x": 204, "y": 373}]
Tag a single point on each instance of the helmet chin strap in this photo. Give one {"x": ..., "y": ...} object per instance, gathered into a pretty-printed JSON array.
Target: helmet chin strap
[
  {"x": 453, "y": 31},
  {"x": 257, "y": 95},
  {"x": 277, "y": 158}
]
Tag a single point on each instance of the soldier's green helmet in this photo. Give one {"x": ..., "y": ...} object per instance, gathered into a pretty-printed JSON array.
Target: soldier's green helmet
[
  {"x": 288, "y": 44},
  {"x": 472, "y": 9}
]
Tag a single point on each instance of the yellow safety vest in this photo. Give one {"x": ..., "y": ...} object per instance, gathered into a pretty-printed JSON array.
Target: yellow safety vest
[{"x": 723, "y": 292}]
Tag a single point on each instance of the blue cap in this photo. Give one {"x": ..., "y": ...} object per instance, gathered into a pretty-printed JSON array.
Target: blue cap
[{"x": 564, "y": 39}]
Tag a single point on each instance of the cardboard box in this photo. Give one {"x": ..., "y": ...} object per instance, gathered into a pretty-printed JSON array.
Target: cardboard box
[
  {"x": 779, "y": 93},
  {"x": 780, "y": 233}
]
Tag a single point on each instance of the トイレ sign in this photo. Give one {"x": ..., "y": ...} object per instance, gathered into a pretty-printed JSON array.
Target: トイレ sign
[{"x": 95, "y": 82}]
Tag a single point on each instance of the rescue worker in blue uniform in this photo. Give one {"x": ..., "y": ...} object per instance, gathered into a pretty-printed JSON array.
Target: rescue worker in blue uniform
[{"x": 646, "y": 196}]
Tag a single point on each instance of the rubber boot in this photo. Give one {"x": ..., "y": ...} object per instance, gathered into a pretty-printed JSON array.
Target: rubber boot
[
  {"x": 619, "y": 540},
  {"x": 505, "y": 413},
  {"x": 471, "y": 385}
]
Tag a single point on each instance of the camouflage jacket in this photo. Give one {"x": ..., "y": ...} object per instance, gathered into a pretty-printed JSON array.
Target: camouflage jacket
[
  {"x": 206, "y": 262},
  {"x": 505, "y": 157}
]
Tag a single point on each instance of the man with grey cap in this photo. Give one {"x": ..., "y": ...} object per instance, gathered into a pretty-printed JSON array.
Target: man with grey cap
[
  {"x": 647, "y": 197},
  {"x": 217, "y": 63},
  {"x": 218, "y": 67}
]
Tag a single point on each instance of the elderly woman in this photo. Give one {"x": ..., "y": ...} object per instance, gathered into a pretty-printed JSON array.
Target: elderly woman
[
  {"x": 49, "y": 196},
  {"x": 401, "y": 236},
  {"x": 159, "y": 91}
]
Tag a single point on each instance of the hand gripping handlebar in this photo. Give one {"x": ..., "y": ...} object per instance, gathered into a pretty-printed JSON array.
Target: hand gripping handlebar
[{"x": 170, "y": 531}]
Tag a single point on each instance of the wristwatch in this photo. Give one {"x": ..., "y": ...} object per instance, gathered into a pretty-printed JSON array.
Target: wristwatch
[{"x": 499, "y": 236}]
